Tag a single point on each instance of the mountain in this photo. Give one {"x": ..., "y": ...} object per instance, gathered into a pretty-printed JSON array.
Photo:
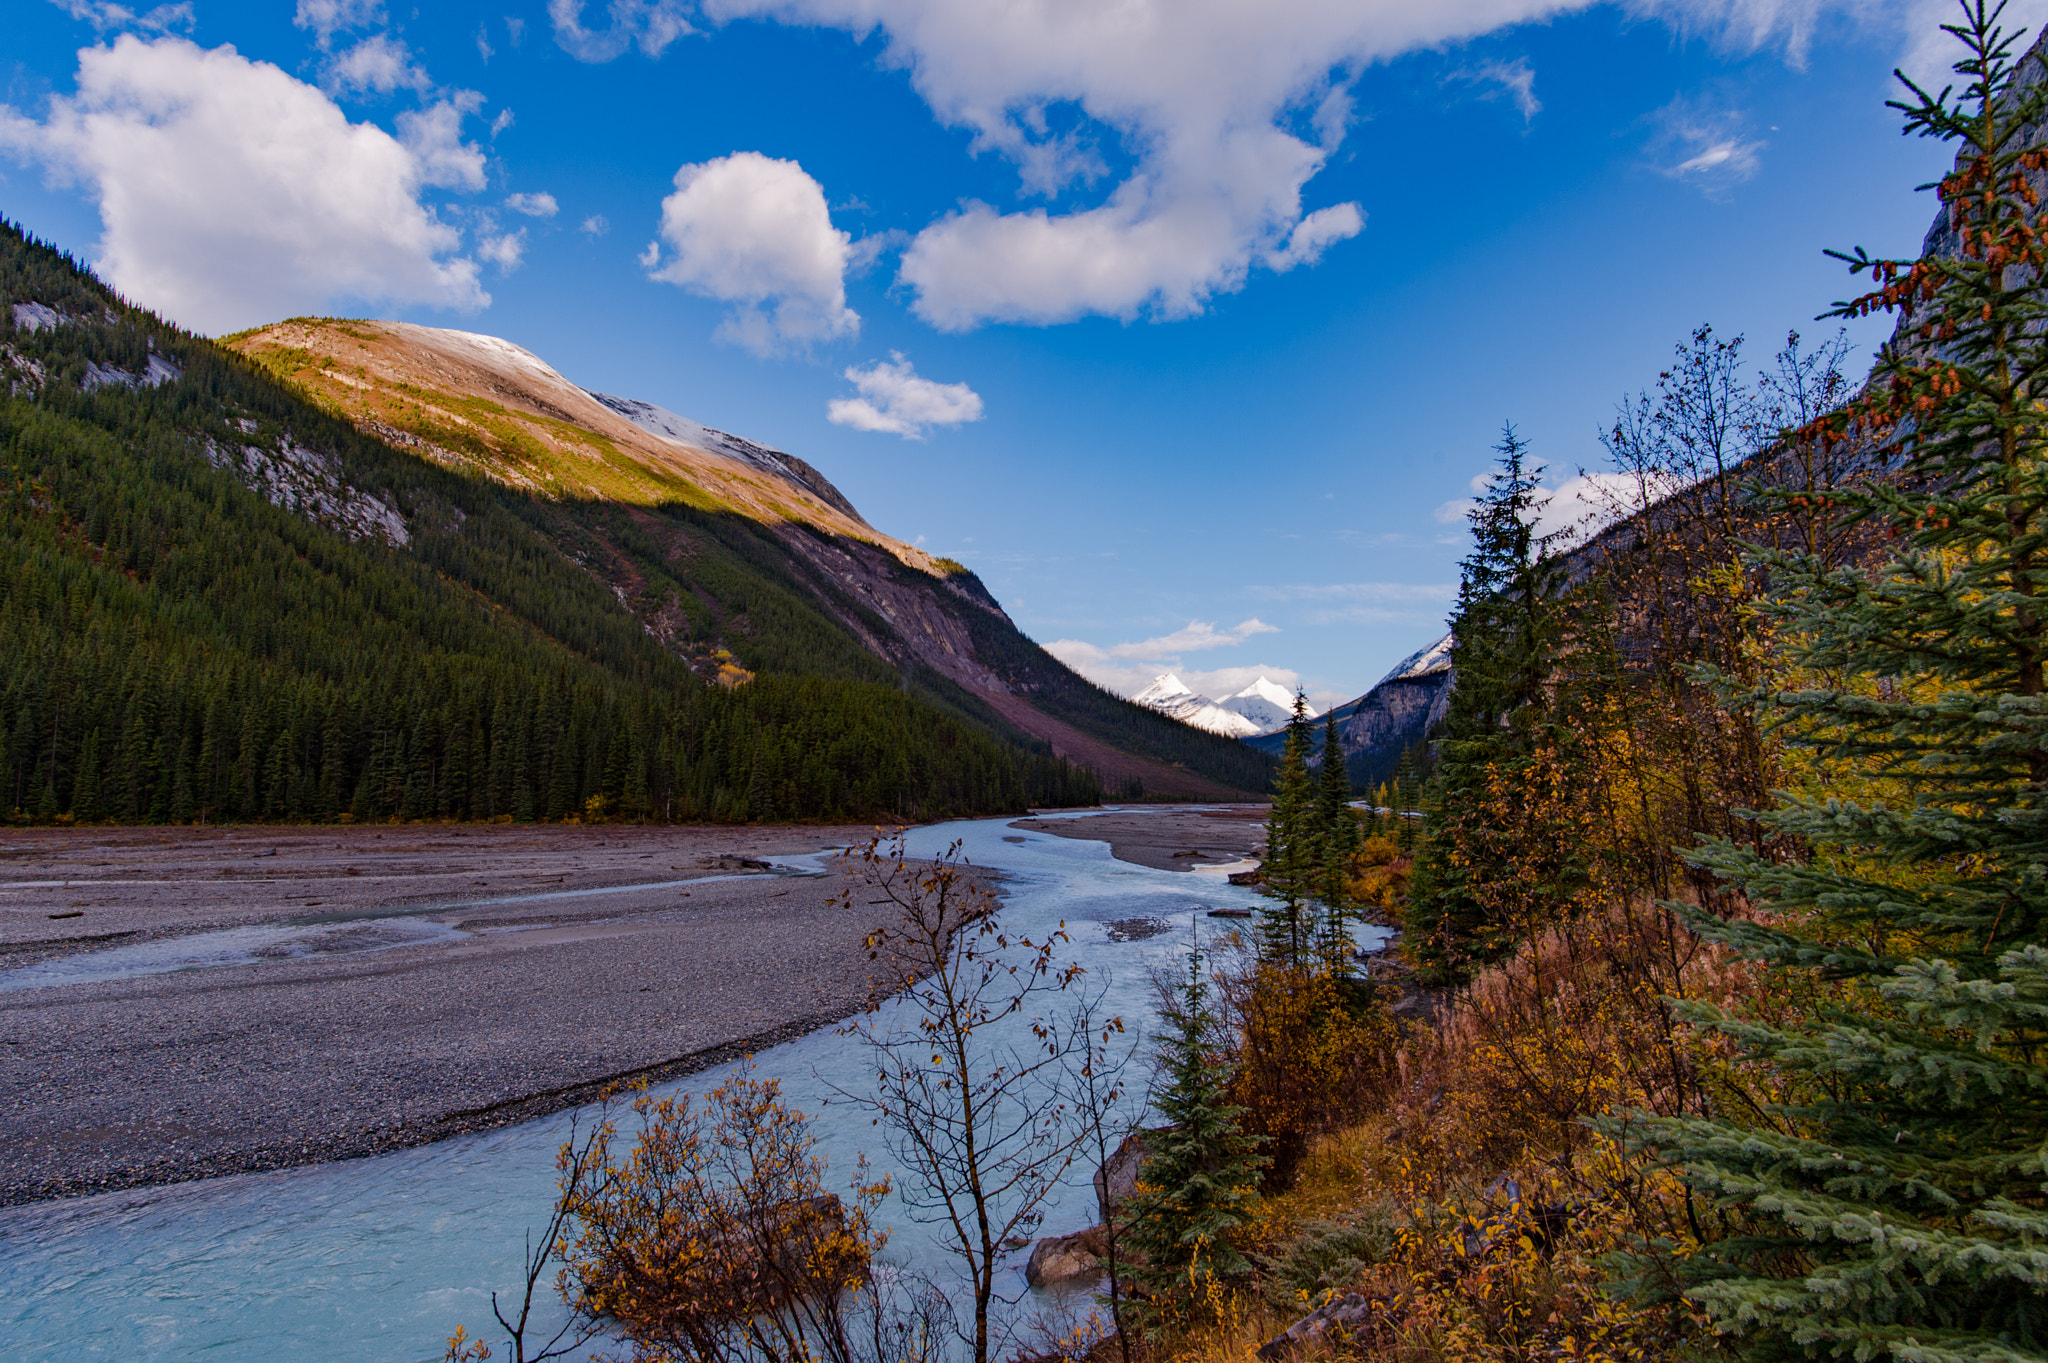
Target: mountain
[
  {"x": 366, "y": 570},
  {"x": 1170, "y": 697},
  {"x": 646, "y": 500},
  {"x": 1395, "y": 714},
  {"x": 1260, "y": 708},
  {"x": 1266, "y": 704}
]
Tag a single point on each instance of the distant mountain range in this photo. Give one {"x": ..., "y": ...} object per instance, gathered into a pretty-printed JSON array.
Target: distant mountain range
[{"x": 1264, "y": 707}]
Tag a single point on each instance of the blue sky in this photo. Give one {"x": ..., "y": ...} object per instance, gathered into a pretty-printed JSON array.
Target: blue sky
[{"x": 1179, "y": 321}]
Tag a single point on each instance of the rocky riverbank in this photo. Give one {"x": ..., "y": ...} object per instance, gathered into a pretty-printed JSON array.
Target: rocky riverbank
[{"x": 388, "y": 987}]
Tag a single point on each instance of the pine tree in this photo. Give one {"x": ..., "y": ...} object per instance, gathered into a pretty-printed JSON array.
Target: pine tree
[
  {"x": 1337, "y": 842},
  {"x": 1199, "y": 1181},
  {"x": 1286, "y": 926},
  {"x": 1896, "y": 1208},
  {"x": 1507, "y": 630}
]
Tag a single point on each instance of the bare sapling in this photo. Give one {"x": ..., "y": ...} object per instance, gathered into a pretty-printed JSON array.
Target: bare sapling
[
  {"x": 1107, "y": 1117},
  {"x": 971, "y": 1055},
  {"x": 573, "y": 1165}
]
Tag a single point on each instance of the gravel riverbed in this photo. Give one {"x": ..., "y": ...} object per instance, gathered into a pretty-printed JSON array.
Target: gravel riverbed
[{"x": 381, "y": 987}]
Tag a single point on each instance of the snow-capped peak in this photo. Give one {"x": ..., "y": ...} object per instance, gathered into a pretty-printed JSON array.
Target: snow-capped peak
[
  {"x": 1164, "y": 689},
  {"x": 1264, "y": 703},
  {"x": 1170, "y": 697}
]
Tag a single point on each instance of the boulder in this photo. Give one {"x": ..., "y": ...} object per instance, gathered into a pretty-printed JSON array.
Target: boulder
[
  {"x": 1116, "y": 1178},
  {"x": 1068, "y": 1260}
]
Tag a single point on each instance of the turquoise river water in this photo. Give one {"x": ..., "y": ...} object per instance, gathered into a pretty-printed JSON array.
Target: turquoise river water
[{"x": 380, "y": 1258}]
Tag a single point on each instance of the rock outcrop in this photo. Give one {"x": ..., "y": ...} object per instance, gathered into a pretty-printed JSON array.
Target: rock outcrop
[{"x": 1068, "y": 1260}]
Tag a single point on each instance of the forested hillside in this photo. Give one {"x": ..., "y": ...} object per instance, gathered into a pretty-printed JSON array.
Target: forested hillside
[
  {"x": 732, "y": 555},
  {"x": 219, "y": 602}
]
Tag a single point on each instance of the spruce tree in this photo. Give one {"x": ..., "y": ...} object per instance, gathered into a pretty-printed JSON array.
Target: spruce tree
[
  {"x": 1337, "y": 842},
  {"x": 1286, "y": 926},
  {"x": 1199, "y": 1181},
  {"x": 1507, "y": 629},
  {"x": 1898, "y": 1205}
]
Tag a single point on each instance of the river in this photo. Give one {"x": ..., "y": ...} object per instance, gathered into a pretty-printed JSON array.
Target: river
[{"x": 380, "y": 1258}]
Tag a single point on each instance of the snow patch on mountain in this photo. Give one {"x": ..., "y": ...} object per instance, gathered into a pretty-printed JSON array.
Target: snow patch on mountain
[{"x": 680, "y": 430}]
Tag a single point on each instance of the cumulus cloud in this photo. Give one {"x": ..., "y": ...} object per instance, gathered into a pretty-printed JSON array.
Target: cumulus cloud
[
  {"x": 541, "y": 205},
  {"x": 596, "y": 225},
  {"x": 895, "y": 401},
  {"x": 1227, "y": 111},
  {"x": 433, "y": 136},
  {"x": 754, "y": 232},
  {"x": 503, "y": 249},
  {"x": 650, "y": 25},
  {"x": 231, "y": 193},
  {"x": 104, "y": 15},
  {"x": 379, "y": 64},
  {"x": 328, "y": 17}
]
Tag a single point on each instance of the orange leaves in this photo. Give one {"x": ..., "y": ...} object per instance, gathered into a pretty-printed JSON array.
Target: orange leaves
[{"x": 714, "y": 1225}]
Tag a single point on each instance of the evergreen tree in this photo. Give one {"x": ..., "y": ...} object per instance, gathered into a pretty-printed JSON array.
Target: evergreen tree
[
  {"x": 1507, "y": 629},
  {"x": 1199, "y": 1181},
  {"x": 1337, "y": 842},
  {"x": 1895, "y": 1205},
  {"x": 1293, "y": 856}
]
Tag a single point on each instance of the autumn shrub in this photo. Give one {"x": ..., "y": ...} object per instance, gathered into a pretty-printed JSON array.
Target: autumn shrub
[
  {"x": 714, "y": 1238},
  {"x": 1311, "y": 1050}
]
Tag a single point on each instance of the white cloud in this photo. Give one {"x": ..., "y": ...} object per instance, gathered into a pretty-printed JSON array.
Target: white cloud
[
  {"x": 1316, "y": 233},
  {"x": 650, "y": 25},
  {"x": 231, "y": 193},
  {"x": 433, "y": 136},
  {"x": 596, "y": 225},
  {"x": 1711, "y": 150},
  {"x": 895, "y": 401},
  {"x": 1515, "y": 79},
  {"x": 541, "y": 205},
  {"x": 500, "y": 123},
  {"x": 1227, "y": 109},
  {"x": 104, "y": 15},
  {"x": 503, "y": 249},
  {"x": 1127, "y": 668},
  {"x": 379, "y": 64},
  {"x": 329, "y": 17},
  {"x": 754, "y": 232},
  {"x": 1192, "y": 637}
]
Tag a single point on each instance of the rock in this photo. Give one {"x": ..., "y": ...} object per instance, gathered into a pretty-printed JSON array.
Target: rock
[
  {"x": 1066, "y": 1260},
  {"x": 1347, "y": 1312},
  {"x": 1230, "y": 913},
  {"x": 1117, "y": 1177},
  {"x": 1247, "y": 877}
]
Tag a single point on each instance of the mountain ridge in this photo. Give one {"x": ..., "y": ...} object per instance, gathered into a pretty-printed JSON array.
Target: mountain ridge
[{"x": 620, "y": 474}]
